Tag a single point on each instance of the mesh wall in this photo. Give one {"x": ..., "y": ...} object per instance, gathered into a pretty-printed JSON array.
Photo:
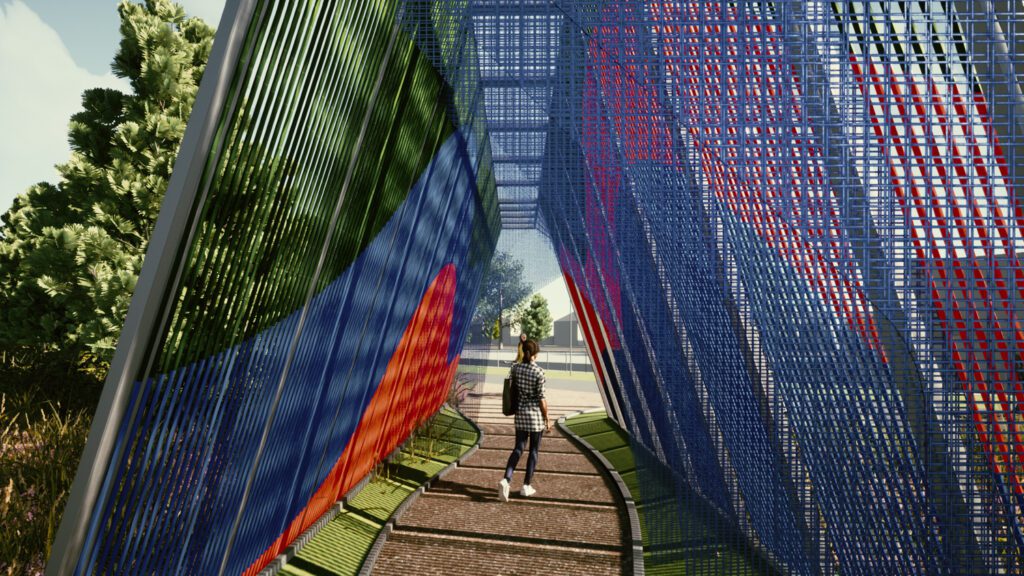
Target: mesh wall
[
  {"x": 789, "y": 230},
  {"x": 792, "y": 230},
  {"x": 321, "y": 295}
]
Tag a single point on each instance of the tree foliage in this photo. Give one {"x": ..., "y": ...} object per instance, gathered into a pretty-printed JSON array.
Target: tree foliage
[
  {"x": 71, "y": 252},
  {"x": 535, "y": 319},
  {"x": 501, "y": 294}
]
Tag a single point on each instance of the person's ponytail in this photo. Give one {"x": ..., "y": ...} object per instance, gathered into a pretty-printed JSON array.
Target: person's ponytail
[{"x": 530, "y": 350}]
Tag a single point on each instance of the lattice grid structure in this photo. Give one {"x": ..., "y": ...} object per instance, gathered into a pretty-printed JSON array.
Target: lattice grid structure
[
  {"x": 790, "y": 230},
  {"x": 794, "y": 229},
  {"x": 306, "y": 294}
]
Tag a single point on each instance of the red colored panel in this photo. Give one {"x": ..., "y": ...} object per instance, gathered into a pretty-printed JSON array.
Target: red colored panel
[{"x": 414, "y": 387}]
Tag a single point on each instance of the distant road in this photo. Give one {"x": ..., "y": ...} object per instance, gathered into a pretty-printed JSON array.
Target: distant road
[{"x": 549, "y": 358}]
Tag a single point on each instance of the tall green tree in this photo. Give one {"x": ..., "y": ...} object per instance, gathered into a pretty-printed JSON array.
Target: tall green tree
[
  {"x": 536, "y": 320},
  {"x": 71, "y": 252},
  {"x": 501, "y": 294}
]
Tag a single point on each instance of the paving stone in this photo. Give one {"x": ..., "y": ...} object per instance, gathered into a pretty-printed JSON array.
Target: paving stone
[
  {"x": 482, "y": 485},
  {"x": 418, "y": 554},
  {"x": 546, "y": 461},
  {"x": 519, "y": 518},
  {"x": 573, "y": 525},
  {"x": 491, "y": 429},
  {"x": 549, "y": 444},
  {"x": 484, "y": 410}
]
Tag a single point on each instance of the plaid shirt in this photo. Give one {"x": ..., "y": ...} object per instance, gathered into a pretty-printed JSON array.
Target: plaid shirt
[{"x": 529, "y": 378}]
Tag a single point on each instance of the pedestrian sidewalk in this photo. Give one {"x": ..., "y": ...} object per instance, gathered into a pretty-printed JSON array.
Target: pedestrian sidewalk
[{"x": 573, "y": 525}]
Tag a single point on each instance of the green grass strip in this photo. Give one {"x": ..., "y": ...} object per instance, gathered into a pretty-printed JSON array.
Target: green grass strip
[
  {"x": 379, "y": 499},
  {"x": 340, "y": 548},
  {"x": 680, "y": 544},
  {"x": 593, "y": 417}
]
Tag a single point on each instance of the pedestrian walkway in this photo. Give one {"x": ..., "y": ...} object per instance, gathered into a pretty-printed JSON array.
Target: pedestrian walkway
[{"x": 573, "y": 525}]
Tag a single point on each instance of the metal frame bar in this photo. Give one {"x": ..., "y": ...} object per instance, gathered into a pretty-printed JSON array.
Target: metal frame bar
[{"x": 156, "y": 281}]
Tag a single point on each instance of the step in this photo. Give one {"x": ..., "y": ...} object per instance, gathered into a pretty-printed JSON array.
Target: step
[
  {"x": 546, "y": 462},
  {"x": 482, "y": 485},
  {"x": 522, "y": 519},
  {"x": 418, "y": 553},
  {"x": 548, "y": 444},
  {"x": 509, "y": 429}
]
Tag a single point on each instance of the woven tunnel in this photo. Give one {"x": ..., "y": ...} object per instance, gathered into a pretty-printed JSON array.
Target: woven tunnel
[{"x": 789, "y": 230}]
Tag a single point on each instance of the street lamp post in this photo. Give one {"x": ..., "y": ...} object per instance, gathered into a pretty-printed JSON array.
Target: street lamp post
[{"x": 572, "y": 336}]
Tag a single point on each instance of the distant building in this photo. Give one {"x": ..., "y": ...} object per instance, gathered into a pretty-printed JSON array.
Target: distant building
[{"x": 567, "y": 332}]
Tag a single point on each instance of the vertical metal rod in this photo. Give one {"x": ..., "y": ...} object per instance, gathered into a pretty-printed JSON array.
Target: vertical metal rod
[
  {"x": 250, "y": 480},
  {"x": 149, "y": 300}
]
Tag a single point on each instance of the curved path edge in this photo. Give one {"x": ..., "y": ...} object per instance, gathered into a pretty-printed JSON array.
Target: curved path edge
[
  {"x": 624, "y": 493},
  {"x": 382, "y": 536}
]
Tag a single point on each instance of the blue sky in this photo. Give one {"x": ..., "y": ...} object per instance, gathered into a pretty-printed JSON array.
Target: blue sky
[{"x": 50, "y": 51}]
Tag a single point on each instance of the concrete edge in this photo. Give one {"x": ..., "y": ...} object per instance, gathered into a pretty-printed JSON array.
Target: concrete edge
[
  {"x": 636, "y": 538},
  {"x": 375, "y": 550},
  {"x": 389, "y": 526}
]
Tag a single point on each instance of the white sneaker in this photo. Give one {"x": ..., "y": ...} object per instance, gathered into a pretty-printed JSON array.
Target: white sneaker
[
  {"x": 527, "y": 491},
  {"x": 503, "y": 490}
]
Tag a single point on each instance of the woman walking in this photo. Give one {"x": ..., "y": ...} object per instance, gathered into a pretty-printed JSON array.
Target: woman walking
[
  {"x": 531, "y": 418},
  {"x": 519, "y": 347}
]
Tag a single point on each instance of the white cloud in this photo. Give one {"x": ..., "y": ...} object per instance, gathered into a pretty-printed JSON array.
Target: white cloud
[
  {"x": 40, "y": 88},
  {"x": 208, "y": 10}
]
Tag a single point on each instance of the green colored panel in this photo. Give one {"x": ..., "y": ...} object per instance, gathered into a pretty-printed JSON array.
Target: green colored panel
[
  {"x": 416, "y": 470},
  {"x": 312, "y": 131},
  {"x": 621, "y": 458},
  {"x": 609, "y": 440},
  {"x": 712, "y": 560},
  {"x": 457, "y": 425},
  {"x": 430, "y": 449},
  {"x": 341, "y": 546},
  {"x": 586, "y": 429},
  {"x": 632, "y": 483},
  {"x": 588, "y": 417}
]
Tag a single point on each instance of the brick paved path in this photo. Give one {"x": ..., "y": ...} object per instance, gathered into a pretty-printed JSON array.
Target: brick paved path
[{"x": 573, "y": 524}]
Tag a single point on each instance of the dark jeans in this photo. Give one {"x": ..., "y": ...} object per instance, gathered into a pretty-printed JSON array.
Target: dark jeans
[{"x": 531, "y": 460}]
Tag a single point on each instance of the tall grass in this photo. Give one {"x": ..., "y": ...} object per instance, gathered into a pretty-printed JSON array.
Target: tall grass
[
  {"x": 44, "y": 422},
  {"x": 41, "y": 443}
]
